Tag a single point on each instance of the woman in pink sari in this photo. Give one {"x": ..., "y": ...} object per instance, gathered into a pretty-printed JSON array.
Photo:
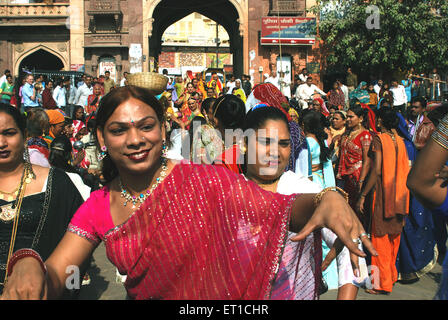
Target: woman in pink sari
[{"x": 178, "y": 231}]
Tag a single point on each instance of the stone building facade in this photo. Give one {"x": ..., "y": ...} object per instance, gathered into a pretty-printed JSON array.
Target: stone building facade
[{"x": 125, "y": 35}]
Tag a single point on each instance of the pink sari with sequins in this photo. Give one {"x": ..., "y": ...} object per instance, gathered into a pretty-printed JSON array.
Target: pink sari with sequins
[{"x": 204, "y": 233}]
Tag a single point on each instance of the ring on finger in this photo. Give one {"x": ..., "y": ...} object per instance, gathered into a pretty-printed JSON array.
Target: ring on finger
[
  {"x": 364, "y": 235},
  {"x": 357, "y": 240}
]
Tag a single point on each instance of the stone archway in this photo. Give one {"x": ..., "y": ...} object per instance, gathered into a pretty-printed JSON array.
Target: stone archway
[
  {"x": 43, "y": 51},
  {"x": 232, "y": 15}
]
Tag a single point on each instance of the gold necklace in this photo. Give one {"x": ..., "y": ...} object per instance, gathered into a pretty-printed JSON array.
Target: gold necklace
[
  {"x": 9, "y": 196},
  {"x": 354, "y": 133},
  {"x": 9, "y": 211}
]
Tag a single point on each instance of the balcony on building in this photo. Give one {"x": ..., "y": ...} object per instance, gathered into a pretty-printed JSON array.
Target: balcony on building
[
  {"x": 105, "y": 16},
  {"x": 287, "y": 7},
  {"x": 26, "y": 12}
]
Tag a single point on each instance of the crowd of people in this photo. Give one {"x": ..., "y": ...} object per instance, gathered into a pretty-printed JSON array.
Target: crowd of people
[
  {"x": 365, "y": 144},
  {"x": 194, "y": 191}
]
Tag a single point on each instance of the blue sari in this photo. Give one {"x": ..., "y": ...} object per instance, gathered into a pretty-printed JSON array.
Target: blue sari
[
  {"x": 418, "y": 252},
  {"x": 442, "y": 293},
  {"x": 325, "y": 178}
]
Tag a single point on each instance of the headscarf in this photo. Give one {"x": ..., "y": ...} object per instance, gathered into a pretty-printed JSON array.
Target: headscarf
[
  {"x": 268, "y": 94},
  {"x": 371, "y": 117},
  {"x": 359, "y": 94},
  {"x": 293, "y": 112},
  {"x": 240, "y": 92},
  {"x": 260, "y": 105},
  {"x": 77, "y": 126},
  {"x": 324, "y": 109}
]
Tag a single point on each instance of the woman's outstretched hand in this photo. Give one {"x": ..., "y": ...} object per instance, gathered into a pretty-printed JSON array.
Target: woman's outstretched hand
[{"x": 334, "y": 213}]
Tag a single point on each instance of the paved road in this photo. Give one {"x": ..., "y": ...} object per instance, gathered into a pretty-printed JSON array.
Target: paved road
[{"x": 104, "y": 287}]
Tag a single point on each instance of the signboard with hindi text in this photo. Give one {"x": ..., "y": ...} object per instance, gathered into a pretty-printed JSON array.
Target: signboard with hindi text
[{"x": 288, "y": 31}]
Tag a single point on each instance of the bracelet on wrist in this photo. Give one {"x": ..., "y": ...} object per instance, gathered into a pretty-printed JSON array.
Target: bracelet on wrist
[
  {"x": 24, "y": 253},
  {"x": 318, "y": 197}
]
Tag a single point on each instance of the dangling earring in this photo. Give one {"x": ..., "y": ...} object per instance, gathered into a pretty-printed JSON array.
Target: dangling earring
[
  {"x": 164, "y": 149},
  {"x": 103, "y": 153}
]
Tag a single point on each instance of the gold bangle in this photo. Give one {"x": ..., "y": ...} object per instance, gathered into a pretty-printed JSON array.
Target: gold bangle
[{"x": 318, "y": 197}]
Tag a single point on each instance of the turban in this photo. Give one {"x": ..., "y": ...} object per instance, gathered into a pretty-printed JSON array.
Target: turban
[{"x": 55, "y": 116}]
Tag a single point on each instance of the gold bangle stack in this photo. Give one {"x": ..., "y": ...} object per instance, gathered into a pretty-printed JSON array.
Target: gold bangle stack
[{"x": 318, "y": 197}]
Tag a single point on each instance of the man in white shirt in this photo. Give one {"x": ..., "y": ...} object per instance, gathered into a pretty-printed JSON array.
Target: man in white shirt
[
  {"x": 304, "y": 75},
  {"x": 3, "y": 78},
  {"x": 230, "y": 84},
  {"x": 306, "y": 91},
  {"x": 59, "y": 95},
  {"x": 70, "y": 95},
  {"x": 377, "y": 87},
  {"x": 124, "y": 81},
  {"x": 400, "y": 97},
  {"x": 285, "y": 84},
  {"x": 84, "y": 92},
  {"x": 274, "y": 80},
  {"x": 344, "y": 89}
]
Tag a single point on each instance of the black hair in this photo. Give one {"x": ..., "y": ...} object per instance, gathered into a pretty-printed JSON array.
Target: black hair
[
  {"x": 383, "y": 102},
  {"x": 256, "y": 119},
  {"x": 421, "y": 100},
  {"x": 312, "y": 123},
  {"x": 60, "y": 154},
  {"x": 18, "y": 118},
  {"x": 361, "y": 112},
  {"x": 109, "y": 103},
  {"x": 343, "y": 116},
  {"x": 68, "y": 121},
  {"x": 207, "y": 104},
  {"x": 75, "y": 109},
  {"x": 194, "y": 125},
  {"x": 164, "y": 102},
  {"x": 389, "y": 118},
  {"x": 230, "y": 112},
  {"x": 91, "y": 124},
  {"x": 438, "y": 113}
]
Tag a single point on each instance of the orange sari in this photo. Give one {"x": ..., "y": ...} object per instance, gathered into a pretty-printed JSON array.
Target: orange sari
[{"x": 391, "y": 204}]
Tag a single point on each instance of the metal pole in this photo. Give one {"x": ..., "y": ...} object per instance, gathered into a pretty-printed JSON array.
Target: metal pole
[{"x": 217, "y": 45}]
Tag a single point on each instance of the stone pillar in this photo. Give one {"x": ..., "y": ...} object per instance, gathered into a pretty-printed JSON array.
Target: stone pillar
[{"x": 75, "y": 23}]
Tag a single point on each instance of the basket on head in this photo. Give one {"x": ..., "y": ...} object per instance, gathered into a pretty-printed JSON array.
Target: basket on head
[{"x": 155, "y": 82}]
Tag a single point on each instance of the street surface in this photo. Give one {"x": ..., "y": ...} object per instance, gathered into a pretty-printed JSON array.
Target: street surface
[{"x": 104, "y": 287}]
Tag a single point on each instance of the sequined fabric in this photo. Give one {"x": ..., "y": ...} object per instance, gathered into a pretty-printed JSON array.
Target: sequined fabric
[{"x": 204, "y": 233}]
